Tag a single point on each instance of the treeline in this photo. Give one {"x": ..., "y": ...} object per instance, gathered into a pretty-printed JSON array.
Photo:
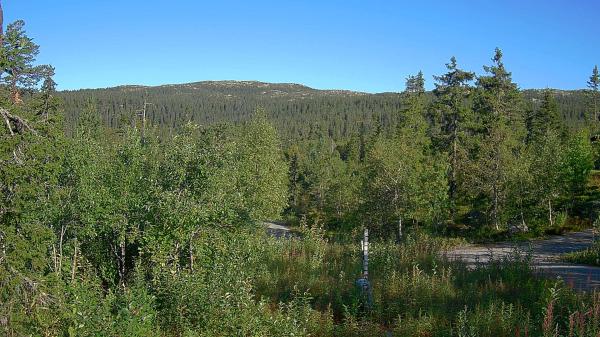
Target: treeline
[{"x": 476, "y": 155}]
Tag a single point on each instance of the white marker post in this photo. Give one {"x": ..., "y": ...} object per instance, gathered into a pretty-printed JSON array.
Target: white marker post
[
  {"x": 363, "y": 282},
  {"x": 365, "y": 250}
]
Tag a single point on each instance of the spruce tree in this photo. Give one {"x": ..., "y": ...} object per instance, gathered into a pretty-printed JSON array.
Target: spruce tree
[
  {"x": 499, "y": 111},
  {"x": 594, "y": 85},
  {"x": 544, "y": 119},
  {"x": 452, "y": 115},
  {"x": 46, "y": 101}
]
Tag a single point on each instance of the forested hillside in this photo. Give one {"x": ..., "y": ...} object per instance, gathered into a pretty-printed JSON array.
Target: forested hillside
[{"x": 299, "y": 112}]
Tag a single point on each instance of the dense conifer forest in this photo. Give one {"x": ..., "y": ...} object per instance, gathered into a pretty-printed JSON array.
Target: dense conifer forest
[
  {"x": 297, "y": 111},
  {"x": 139, "y": 211}
]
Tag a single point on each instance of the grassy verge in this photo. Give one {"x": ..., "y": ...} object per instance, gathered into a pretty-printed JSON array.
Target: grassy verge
[{"x": 416, "y": 292}]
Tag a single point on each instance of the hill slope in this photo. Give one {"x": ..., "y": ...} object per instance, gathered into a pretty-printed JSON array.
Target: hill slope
[{"x": 297, "y": 110}]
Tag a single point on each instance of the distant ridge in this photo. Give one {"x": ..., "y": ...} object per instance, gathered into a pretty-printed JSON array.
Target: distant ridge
[
  {"x": 243, "y": 87},
  {"x": 234, "y": 86}
]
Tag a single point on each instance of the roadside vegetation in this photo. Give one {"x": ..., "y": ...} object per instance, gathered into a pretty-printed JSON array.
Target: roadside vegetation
[{"x": 590, "y": 256}]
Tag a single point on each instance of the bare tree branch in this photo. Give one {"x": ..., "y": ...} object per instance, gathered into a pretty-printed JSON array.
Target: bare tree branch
[{"x": 16, "y": 123}]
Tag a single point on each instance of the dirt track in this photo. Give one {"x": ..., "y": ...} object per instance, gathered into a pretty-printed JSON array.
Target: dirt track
[{"x": 545, "y": 257}]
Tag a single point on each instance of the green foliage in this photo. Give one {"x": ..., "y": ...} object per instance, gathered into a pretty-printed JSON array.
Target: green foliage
[
  {"x": 121, "y": 232},
  {"x": 415, "y": 292},
  {"x": 404, "y": 180},
  {"x": 590, "y": 256},
  {"x": 17, "y": 60},
  {"x": 594, "y": 87},
  {"x": 325, "y": 182},
  {"x": 264, "y": 173},
  {"x": 544, "y": 119},
  {"x": 452, "y": 119},
  {"x": 298, "y": 112},
  {"x": 500, "y": 130},
  {"x": 578, "y": 163},
  {"x": 545, "y": 185}
]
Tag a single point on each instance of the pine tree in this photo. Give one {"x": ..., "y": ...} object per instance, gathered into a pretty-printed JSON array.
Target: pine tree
[
  {"x": 17, "y": 60},
  {"x": 415, "y": 84},
  {"x": 413, "y": 108},
  {"x": 17, "y": 70}
]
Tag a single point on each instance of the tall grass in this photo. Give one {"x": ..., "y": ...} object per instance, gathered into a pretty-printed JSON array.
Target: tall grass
[
  {"x": 250, "y": 284},
  {"x": 416, "y": 292}
]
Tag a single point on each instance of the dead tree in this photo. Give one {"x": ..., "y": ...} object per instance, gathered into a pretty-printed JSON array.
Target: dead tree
[
  {"x": 15, "y": 124},
  {"x": 142, "y": 113}
]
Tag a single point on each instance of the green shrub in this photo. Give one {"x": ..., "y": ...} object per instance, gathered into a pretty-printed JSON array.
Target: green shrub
[{"x": 590, "y": 256}]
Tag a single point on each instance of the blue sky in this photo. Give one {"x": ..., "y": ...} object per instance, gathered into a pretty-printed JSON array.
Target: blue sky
[{"x": 351, "y": 44}]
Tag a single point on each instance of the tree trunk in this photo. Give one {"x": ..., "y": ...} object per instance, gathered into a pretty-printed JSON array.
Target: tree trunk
[
  {"x": 14, "y": 90},
  {"x": 63, "y": 230},
  {"x": 452, "y": 187},
  {"x": 59, "y": 254},
  {"x": 365, "y": 249},
  {"x": 191, "y": 248},
  {"x": 191, "y": 256},
  {"x": 399, "y": 229},
  {"x": 550, "y": 213},
  {"x": 122, "y": 266},
  {"x": 74, "y": 265},
  {"x": 495, "y": 210},
  {"x": 2, "y": 247},
  {"x": 55, "y": 258},
  {"x": 120, "y": 255},
  {"x": 596, "y": 107},
  {"x": 46, "y": 108},
  {"x": 495, "y": 187},
  {"x": 595, "y": 99}
]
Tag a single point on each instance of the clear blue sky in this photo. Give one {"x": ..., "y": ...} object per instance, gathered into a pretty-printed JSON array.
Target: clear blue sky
[{"x": 348, "y": 44}]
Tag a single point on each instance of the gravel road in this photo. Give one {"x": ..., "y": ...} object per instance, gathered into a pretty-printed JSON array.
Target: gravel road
[{"x": 545, "y": 255}]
